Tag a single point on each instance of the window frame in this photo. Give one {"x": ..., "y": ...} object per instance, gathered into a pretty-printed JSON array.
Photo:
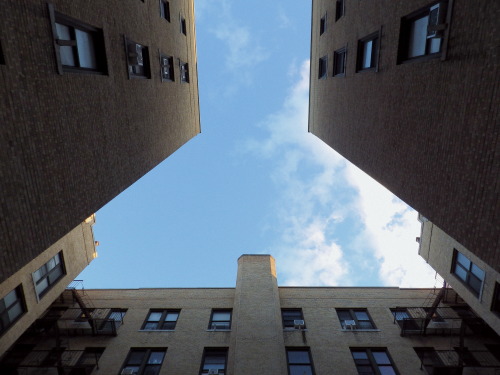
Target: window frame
[
  {"x": 46, "y": 276},
  {"x": 182, "y": 24},
  {"x": 144, "y": 361},
  {"x": 323, "y": 24},
  {"x": 468, "y": 273},
  {"x": 339, "y": 9},
  {"x": 213, "y": 351},
  {"x": 184, "y": 71},
  {"x": 211, "y": 326},
  {"x": 2, "y": 56},
  {"x": 6, "y": 321},
  {"x": 405, "y": 35},
  {"x": 283, "y": 320},
  {"x": 97, "y": 36},
  {"x": 372, "y": 360},
  {"x": 289, "y": 365},
  {"x": 171, "y": 74},
  {"x": 352, "y": 313},
  {"x": 339, "y": 55},
  {"x": 375, "y": 53},
  {"x": 161, "y": 322},
  {"x": 323, "y": 67},
  {"x": 165, "y": 10},
  {"x": 145, "y": 56}
]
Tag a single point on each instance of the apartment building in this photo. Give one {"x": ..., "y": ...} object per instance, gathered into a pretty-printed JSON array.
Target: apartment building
[
  {"x": 93, "y": 95},
  {"x": 408, "y": 92},
  {"x": 29, "y": 292},
  {"x": 257, "y": 328},
  {"x": 471, "y": 277}
]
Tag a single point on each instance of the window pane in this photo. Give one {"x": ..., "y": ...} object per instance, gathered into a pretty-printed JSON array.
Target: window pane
[
  {"x": 463, "y": 260},
  {"x": 367, "y": 54},
  {"x": 344, "y": 315},
  {"x": 51, "y": 264},
  {"x": 15, "y": 311},
  {"x": 460, "y": 272},
  {"x": 151, "y": 370},
  {"x": 381, "y": 358},
  {"x": 418, "y": 37},
  {"x": 156, "y": 358},
  {"x": 359, "y": 355},
  {"x": 300, "y": 370},
  {"x": 136, "y": 357},
  {"x": 63, "y": 32},
  {"x": 365, "y": 325},
  {"x": 361, "y": 315},
  {"x": 55, "y": 274},
  {"x": 151, "y": 326},
  {"x": 477, "y": 271},
  {"x": 215, "y": 360},
  {"x": 86, "y": 49},
  {"x": 218, "y": 316},
  {"x": 42, "y": 285},
  {"x": 10, "y": 298},
  {"x": 135, "y": 368},
  {"x": 365, "y": 370},
  {"x": 435, "y": 45},
  {"x": 296, "y": 356},
  {"x": 171, "y": 317},
  {"x": 475, "y": 283},
  {"x": 155, "y": 316},
  {"x": 387, "y": 370}
]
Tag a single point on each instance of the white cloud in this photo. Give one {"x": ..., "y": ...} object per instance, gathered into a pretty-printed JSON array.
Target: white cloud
[{"x": 319, "y": 191}]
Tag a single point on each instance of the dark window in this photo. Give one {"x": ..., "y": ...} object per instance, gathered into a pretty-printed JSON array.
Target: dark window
[
  {"x": 117, "y": 316},
  {"x": 373, "y": 361},
  {"x": 495, "y": 305},
  {"x": 12, "y": 307},
  {"x": 165, "y": 9},
  {"x": 368, "y": 49},
  {"x": 214, "y": 359},
  {"x": 339, "y": 59},
  {"x": 161, "y": 320},
  {"x": 322, "y": 25},
  {"x": 220, "y": 319},
  {"x": 48, "y": 274},
  {"x": 182, "y": 21},
  {"x": 137, "y": 59},
  {"x": 421, "y": 32},
  {"x": 470, "y": 274},
  {"x": 355, "y": 319},
  {"x": 323, "y": 67},
  {"x": 79, "y": 47},
  {"x": 184, "y": 71},
  {"x": 2, "y": 58},
  {"x": 299, "y": 361},
  {"x": 292, "y": 316},
  {"x": 339, "y": 9},
  {"x": 404, "y": 319},
  {"x": 167, "y": 68},
  {"x": 144, "y": 361}
]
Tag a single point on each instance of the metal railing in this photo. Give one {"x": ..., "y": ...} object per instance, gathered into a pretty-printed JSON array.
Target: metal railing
[{"x": 452, "y": 359}]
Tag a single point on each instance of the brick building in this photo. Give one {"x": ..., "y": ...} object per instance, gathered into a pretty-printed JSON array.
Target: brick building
[
  {"x": 408, "y": 92},
  {"x": 93, "y": 95},
  {"x": 257, "y": 328}
]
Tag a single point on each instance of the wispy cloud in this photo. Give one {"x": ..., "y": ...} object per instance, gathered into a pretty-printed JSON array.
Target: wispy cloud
[{"x": 320, "y": 193}]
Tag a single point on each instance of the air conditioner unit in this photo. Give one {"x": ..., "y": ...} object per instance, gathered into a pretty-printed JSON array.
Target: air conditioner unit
[
  {"x": 135, "y": 54},
  {"x": 298, "y": 324},
  {"x": 213, "y": 371},
  {"x": 350, "y": 324},
  {"x": 437, "y": 16},
  {"x": 127, "y": 371}
]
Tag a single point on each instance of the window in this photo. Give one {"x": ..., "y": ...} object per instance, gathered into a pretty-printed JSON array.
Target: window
[
  {"x": 470, "y": 274},
  {"x": 417, "y": 37},
  {"x": 167, "y": 68},
  {"x": 161, "y": 320},
  {"x": 2, "y": 59},
  {"x": 339, "y": 58},
  {"x": 373, "y": 361},
  {"x": 495, "y": 305},
  {"x": 299, "y": 361},
  {"x": 368, "y": 48},
  {"x": 48, "y": 274},
  {"x": 182, "y": 22},
  {"x": 79, "y": 47},
  {"x": 404, "y": 319},
  {"x": 323, "y": 67},
  {"x": 12, "y": 307},
  {"x": 137, "y": 59},
  {"x": 289, "y": 317},
  {"x": 184, "y": 69},
  {"x": 117, "y": 316},
  {"x": 165, "y": 9},
  {"x": 355, "y": 319},
  {"x": 322, "y": 25},
  {"x": 144, "y": 361},
  {"x": 339, "y": 9},
  {"x": 220, "y": 319},
  {"x": 214, "y": 359}
]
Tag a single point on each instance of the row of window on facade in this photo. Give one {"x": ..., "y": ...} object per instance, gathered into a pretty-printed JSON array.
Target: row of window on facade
[
  {"x": 80, "y": 48},
  {"x": 421, "y": 36}
]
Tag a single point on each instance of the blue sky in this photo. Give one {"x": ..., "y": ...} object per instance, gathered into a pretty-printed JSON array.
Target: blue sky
[{"x": 254, "y": 180}]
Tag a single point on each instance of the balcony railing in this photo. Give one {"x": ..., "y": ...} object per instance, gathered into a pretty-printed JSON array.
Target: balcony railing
[{"x": 450, "y": 361}]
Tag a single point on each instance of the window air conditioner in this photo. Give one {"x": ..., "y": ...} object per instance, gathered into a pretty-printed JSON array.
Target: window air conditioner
[
  {"x": 127, "y": 371},
  {"x": 135, "y": 54},
  {"x": 213, "y": 371},
  {"x": 350, "y": 324},
  {"x": 437, "y": 16},
  {"x": 298, "y": 324}
]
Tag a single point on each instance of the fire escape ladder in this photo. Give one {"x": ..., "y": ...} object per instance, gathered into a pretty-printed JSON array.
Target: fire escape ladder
[
  {"x": 87, "y": 313},
  {"x": 432, "y": 310}
]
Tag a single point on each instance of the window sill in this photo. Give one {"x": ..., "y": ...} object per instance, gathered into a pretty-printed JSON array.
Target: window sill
[
  {"x": 294, "y": 329},
  {"x": 156, "y": 330},
  {"x": 422, "y": 58},
  {"x": 360, "y": 330},
  {"x": 218, "y": 330}
]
